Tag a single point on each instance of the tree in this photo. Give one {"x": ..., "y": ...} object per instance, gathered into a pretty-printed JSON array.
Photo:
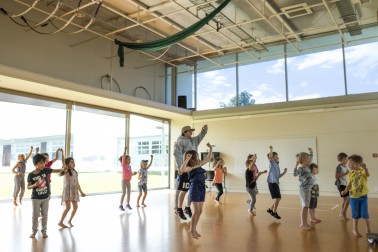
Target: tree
[{"x": 245, "y": 99}]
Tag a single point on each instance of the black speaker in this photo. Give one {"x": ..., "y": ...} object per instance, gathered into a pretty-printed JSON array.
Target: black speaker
[{"x": 181, "y": 101}]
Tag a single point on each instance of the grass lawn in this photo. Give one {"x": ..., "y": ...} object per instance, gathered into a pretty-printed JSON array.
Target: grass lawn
[{"x": 91, "y": 182}]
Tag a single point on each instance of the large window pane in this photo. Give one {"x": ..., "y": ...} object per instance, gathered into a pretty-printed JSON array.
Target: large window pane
[
  {"x": 98, "y": 139},
  {"x": 24, "y": 126},
  {"x": 316, "y": 75},
  {"x": 149, "y": 137},
  {"x": 264, "y": 82},
  {"x": 185, "y": 87},
  {"x": 362, "y": 68},
  {"x": 216, "y": 88}
]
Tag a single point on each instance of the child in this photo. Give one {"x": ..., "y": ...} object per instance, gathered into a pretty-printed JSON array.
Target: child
[
  {"x": 251, "y": 176},
  {"x": 71, "y": 189},
  {"x": 197, "y": 190},
  {"x": 19, "y": 178},
  {"x": 38, "y": 182},
  {"x": 274, "y": 176},
  {"x": 126, "y": 177},
  {"x": 142, "y": 183},
  {"x": 358, "y": 189},
  {"x": 305, "y": 185},
  {"x": 341, "y": 182},
  {"x": 219, "y": 172},
  {"x": 314, "y": 193}
]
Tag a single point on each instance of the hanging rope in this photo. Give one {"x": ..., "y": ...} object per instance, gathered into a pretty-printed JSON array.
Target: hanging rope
[
  {"x": 26, "y": 11},
  {"x": 58, "y": 5},
  {"x": 161, "y": 54}
]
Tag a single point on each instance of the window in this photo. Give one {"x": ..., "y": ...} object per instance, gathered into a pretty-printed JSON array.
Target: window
[
  {"x": 316, "y": 75},
  {"x": 148, "y": 137},
  {"x": 28, "y": 125},
  {"x": 362, "y": 68},
  {"x": 155, "y": 147},
  {"x": 216, "y": 88},
  {"x": 263, "y": 81},
  {"x": 143, "y": 147}
]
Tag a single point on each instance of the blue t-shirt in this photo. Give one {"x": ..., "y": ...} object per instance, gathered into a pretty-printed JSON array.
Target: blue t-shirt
[
  {"x": 274, "y": 172},
  {"x": 42, "y": 191},
  {"x": 197, "y": 175}
]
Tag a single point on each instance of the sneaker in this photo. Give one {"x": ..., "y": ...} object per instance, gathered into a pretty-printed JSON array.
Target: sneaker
[
  {"x": 275, "y": 215},
  {"x": 128, "y": 207},
  {"x": 44, "y": 235},
  {"x": 269, "y": 211},
  {"x": 32, "y": 235},
  {"x": 188, "y": 211},
  {"x": 180, "y": 214},
  {"x": 121, "y": 208}
]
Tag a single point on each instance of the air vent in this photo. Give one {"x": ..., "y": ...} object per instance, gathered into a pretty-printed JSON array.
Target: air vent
[{"x": 296, "y": 10}]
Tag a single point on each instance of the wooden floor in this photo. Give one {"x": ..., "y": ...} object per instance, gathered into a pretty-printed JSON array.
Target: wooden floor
[{"x": 100, "y": 226}]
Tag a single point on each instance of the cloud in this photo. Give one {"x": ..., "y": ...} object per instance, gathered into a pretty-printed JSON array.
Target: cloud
[
  {"x": 303, "y": 84},
  {"x": 278, "y": 67},
  {"x": 362, "y": 60},
  {"x": 305, "y": 97},
  {"x": 322, "y": 59}
]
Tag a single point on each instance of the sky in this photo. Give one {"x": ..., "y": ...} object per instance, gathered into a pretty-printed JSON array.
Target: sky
[{"x": 310, "y": 76}]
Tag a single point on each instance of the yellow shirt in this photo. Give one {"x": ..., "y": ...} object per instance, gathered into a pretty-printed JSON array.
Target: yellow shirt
[{"x": 358, "y": 181}]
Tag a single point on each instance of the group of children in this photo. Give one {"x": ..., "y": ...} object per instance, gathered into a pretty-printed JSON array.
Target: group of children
[
  {"x": 39, "y": 182},
  {"x": 351, "y": 183}
]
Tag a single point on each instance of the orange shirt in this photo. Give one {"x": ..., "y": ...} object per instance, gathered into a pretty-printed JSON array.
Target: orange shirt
[{"x": 218, "y": 175}]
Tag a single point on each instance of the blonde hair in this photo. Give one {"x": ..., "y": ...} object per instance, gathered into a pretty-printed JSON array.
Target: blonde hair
[
  {"x": 302, "y": 156},
  {"x": 20, "y": 155}
]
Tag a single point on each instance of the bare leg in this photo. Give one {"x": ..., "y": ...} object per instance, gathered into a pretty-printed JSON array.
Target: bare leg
[
  {"x": 197, "y": 213},
  {"x": 275, "y": 204},
  {"x": 128, "y": 187},
  {"x": 74, "y": 209},
  {"x": 313, "y": 219},
  {"x": 367, "y": 223},
  {"x": 181, "y": 198},
  {"x": 144, "y": 198},
  {"x": 139, "y": 195},
  {"x": 344, "y": 208},
  {"x": 64, "y": 214},
  {"x": 304, "y": 224},
  {"x": 355, "y": 228},
  {"x": 123, "y": 192}
]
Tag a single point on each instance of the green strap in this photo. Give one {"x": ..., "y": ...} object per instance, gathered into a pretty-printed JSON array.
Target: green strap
[{"x": 168, "y": 41}]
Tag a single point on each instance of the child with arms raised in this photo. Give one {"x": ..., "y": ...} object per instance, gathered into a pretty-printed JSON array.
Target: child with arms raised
[
  {"x": 142, "y": 180},
  {"x": 19, "y": 178},
  {"x": 197, "y": 190}
]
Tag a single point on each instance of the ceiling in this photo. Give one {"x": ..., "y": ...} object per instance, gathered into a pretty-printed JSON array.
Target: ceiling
[{"x": 249, "y": 26}]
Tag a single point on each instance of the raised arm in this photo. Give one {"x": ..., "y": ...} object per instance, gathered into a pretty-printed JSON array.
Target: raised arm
[
  {"x": 30, "y": 152},
  {"x": 295, "y": 173},
  {"x": 149, "y": 165},
  {"x": 270, "y": 156},
  {"x": 36, "y": 150},
  {"x": 56, "y": 155},
  {"x": 184, "y": 167},
  {"x": 311, "y": 154},
  {"x": 209, "y": 155},
  {"x": 202, "y": 134}
]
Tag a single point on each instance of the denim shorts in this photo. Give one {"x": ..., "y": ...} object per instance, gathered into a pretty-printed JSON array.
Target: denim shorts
[{"x": 359, "y": 207}]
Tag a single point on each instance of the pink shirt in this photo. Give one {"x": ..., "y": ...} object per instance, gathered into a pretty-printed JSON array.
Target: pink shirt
[
  {"x": 126, "y": 169},
  {"x": 48, "y": 166}
]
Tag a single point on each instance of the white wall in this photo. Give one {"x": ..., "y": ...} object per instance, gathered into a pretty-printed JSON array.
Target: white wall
[
  {"x": 350, "y": 130},
  {"x": 57, "y": 56}
]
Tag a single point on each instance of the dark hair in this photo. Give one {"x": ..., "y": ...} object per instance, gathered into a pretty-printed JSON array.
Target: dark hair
[
  {"x": 250, "y": 156},
  {"x": 274, "y": 154},
  {"x": 45, "y": 154},
  {"x": 120, "y": 158},
  {"x": 312, "y": 166},
  {"x": 248, "y": 162},
  {"x": 341, "y": 156},
  {"x": 38, "y": 158},
  {"x": 194, "y": 159},
  {"x": 67, "y": 162},
  {"x": 356, "y": 159}
]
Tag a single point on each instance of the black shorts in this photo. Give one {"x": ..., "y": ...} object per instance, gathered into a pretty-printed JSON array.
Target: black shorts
[
  {"x": 274, "y": 189},
  {"x": 184, "y": 182},
  {"x": 313, "y": 203},
  {"x": 341, "y": 189}
]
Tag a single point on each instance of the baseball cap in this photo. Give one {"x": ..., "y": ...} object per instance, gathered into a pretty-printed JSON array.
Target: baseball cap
[{"x": 186, "y": 128}]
